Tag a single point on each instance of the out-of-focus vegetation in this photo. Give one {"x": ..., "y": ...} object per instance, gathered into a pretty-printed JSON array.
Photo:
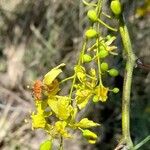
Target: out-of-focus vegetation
[{"x": 36, "y": 36}]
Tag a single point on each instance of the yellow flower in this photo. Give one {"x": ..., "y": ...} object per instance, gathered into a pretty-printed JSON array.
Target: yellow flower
[
  {"x": 61, "y": 107},
  {"x": 51, "y": 75},
  {"x": 38, "y": 121},
  {"x": 52, "y": 89},
  {"x": 81, "y": 73},
  {"x": 101, "y": 92},
  {"x": 60, "y": 129},
  {"x": 83, "y": 97},
  {"x": 86, "y": 123}
]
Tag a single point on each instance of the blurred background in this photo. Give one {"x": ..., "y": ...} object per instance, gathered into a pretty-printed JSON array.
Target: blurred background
[{"x": 38, "y": 35}]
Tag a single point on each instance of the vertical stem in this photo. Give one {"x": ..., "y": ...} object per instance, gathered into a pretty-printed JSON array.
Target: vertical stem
[
  {"x": 99, "y": 7},
  {"x": 79, "y": 62},
  {"x": 99, "y": 10},
  {"x": 130, "y": 62},
  {"x": 61, "y": 144}
]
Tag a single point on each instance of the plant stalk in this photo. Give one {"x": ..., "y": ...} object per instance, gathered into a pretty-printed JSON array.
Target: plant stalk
[{"x": 130, "y": 63}]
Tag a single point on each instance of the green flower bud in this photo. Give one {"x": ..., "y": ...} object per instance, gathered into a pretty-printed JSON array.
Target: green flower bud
[
  {"x": 91, "y": 33},
  {"x": 113, "y": 72},
  {"x": 92, "y": 15},
  {"x": 95, "y": 99},
  {"x": 108, "y": 37},
  {"x": 115, "y": 90},
  {"x": 102, "y": 48},
  {"x": 87, "y": 58},
  {"x": 103, "y": 53},
  {"x": 90, "y": 136},
  {"x": 115, "y": 7},
  {"x": 104, "y": 66}
]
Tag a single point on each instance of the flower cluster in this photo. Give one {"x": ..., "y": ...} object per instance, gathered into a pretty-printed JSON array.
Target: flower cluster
[
  {"x": 57, "y": 114},
  {"x": 61, "y": 109}
]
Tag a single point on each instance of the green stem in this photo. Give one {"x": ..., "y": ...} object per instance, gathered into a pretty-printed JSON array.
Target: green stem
[
  {"x": 89, "y": 4},
  {"x": 142, "y": 143},
  {"x": 106, "y": 25},
  {"x": 99, "y": 10},
  {"x": 99, "y": 65},
  {"x": 106, "y": 15},
  {"x": 130, "y": 63},
  {"x": 99, "y": 7},
  {"x": 66, "y": 79},
  {"x": 61, "y": 144},
  {"x": 79, "y": 61}
]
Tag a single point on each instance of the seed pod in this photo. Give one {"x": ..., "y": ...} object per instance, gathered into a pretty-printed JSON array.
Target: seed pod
[
  {"x": 86, "y": 58},
  {"x": 104, "y": 66},
  {"x": 113, "y": 72},
  {"x": 115, "y": 7},
  {"x": 91, "y": 33},
  {"x": 92, "y": 15}
]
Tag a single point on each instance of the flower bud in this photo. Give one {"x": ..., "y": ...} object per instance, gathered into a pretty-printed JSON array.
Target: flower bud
[
  {"x": 115, "y": 90},
  {"x": 92, "y": 15},
  {"x": 104, "y": 66},
  {"x": 113, "y": 72},
  {"x": 90, "y": 136},
  {"x": 95, "y": 99},
  {"x": 115, "y": 7},
  {"x": 91, "y": 33},
  {"x": 86, "y": 58},
  {"x": 103, "y": 53}
]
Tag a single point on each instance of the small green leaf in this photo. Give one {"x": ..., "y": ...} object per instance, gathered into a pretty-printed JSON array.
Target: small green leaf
[{"x": 46, "y": 145}]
